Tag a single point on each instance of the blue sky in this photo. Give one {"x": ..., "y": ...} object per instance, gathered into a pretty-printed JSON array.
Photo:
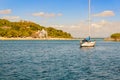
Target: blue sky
[{"x": 68, "y": 15}]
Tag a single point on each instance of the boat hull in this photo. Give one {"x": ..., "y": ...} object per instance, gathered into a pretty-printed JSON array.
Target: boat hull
[{"x": 87, "y": 44}]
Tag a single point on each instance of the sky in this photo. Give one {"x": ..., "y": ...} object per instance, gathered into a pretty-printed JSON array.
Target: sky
[{"x": 68, "y": 15}]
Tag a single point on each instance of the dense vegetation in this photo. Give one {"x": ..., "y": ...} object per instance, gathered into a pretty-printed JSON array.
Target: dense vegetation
[
  {"x": 27, "y": 29},
  {"x": 115, "y": 36}
]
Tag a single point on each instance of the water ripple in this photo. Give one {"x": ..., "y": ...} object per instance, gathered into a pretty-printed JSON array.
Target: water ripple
[{"x": 59, "y": 60}]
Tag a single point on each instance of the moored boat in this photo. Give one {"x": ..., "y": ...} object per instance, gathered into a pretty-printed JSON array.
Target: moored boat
[{"x": 87, "y": 42}]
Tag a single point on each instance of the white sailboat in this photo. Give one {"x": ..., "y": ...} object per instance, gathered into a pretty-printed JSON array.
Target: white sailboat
[{"x": 87, "y": 42}]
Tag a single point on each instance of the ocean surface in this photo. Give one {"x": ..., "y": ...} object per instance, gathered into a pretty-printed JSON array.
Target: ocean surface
[{"x": 59, "y": 60}]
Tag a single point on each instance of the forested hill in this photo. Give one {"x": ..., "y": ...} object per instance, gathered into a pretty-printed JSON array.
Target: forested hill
[
  {"x": 115, "y": 35},
  {"x": 28, "y": 29}
]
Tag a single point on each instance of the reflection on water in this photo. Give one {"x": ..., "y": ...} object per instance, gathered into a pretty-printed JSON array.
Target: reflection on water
[
  {"x": 59, "y": 60},
  {"x": 86, "y": 48}
]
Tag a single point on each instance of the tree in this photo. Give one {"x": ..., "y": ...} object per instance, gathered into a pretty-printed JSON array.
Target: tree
[{"x": 115, "y": 36}]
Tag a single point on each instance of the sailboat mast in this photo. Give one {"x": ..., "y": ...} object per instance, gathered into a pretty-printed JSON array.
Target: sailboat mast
[{"x": 89, "y": 16}]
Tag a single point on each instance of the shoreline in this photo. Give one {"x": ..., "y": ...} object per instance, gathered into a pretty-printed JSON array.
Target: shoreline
[
  {"x": 30, "y": 38},
  {"x": 111, "y": 39}
]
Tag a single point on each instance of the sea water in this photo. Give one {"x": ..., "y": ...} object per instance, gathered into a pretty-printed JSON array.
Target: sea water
[{"x": 59, "y": 60}]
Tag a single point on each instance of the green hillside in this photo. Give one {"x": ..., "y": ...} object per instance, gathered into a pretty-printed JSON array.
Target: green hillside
[
  {"x": 115, "y": 36},
  {"x": 28, "y": 29}
]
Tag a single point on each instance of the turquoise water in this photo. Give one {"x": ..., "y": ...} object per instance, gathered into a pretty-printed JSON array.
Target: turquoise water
[{"x": 59, "y": 60}]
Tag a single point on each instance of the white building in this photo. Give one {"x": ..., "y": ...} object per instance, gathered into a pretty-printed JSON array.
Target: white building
[{"x": 42, "y": 33}]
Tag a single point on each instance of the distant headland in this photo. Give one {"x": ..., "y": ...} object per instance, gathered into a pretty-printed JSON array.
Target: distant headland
[{"x": 113, "y": 37}]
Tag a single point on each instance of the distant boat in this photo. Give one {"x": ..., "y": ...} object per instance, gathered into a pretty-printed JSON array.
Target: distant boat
[{"x": 87, "y": 41}]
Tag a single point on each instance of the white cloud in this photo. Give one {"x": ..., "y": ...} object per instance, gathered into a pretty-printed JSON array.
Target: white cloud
[
  {"x": 38, "y": 14},
  {"x": 100, "y": 24},
  {"x": 105, "y": 14},
  {"x": 11, "y": 17},
  {"x": 96, "y": 25},
  {"x": 47, "y": 15},
  {"x": 58, "y": 26},
  {"x": 78, "y": 30},
  {"x": 59, "y": 14},
  {"x": 7, "y": 11},
  {"x": 98, "y": 29},
  {"x": 107, "y": 29}
]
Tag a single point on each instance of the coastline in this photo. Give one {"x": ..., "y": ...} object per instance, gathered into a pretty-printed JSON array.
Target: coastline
[
  {"x": 111, "y": 39},
  {"x": 30, "y": 38}
]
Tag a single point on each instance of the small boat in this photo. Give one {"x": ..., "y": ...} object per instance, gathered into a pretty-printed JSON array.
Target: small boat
[{"x": 87, "y": 42}]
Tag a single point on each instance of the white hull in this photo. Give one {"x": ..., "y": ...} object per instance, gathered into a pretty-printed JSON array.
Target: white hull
[{"x": 87, "y": 44}]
